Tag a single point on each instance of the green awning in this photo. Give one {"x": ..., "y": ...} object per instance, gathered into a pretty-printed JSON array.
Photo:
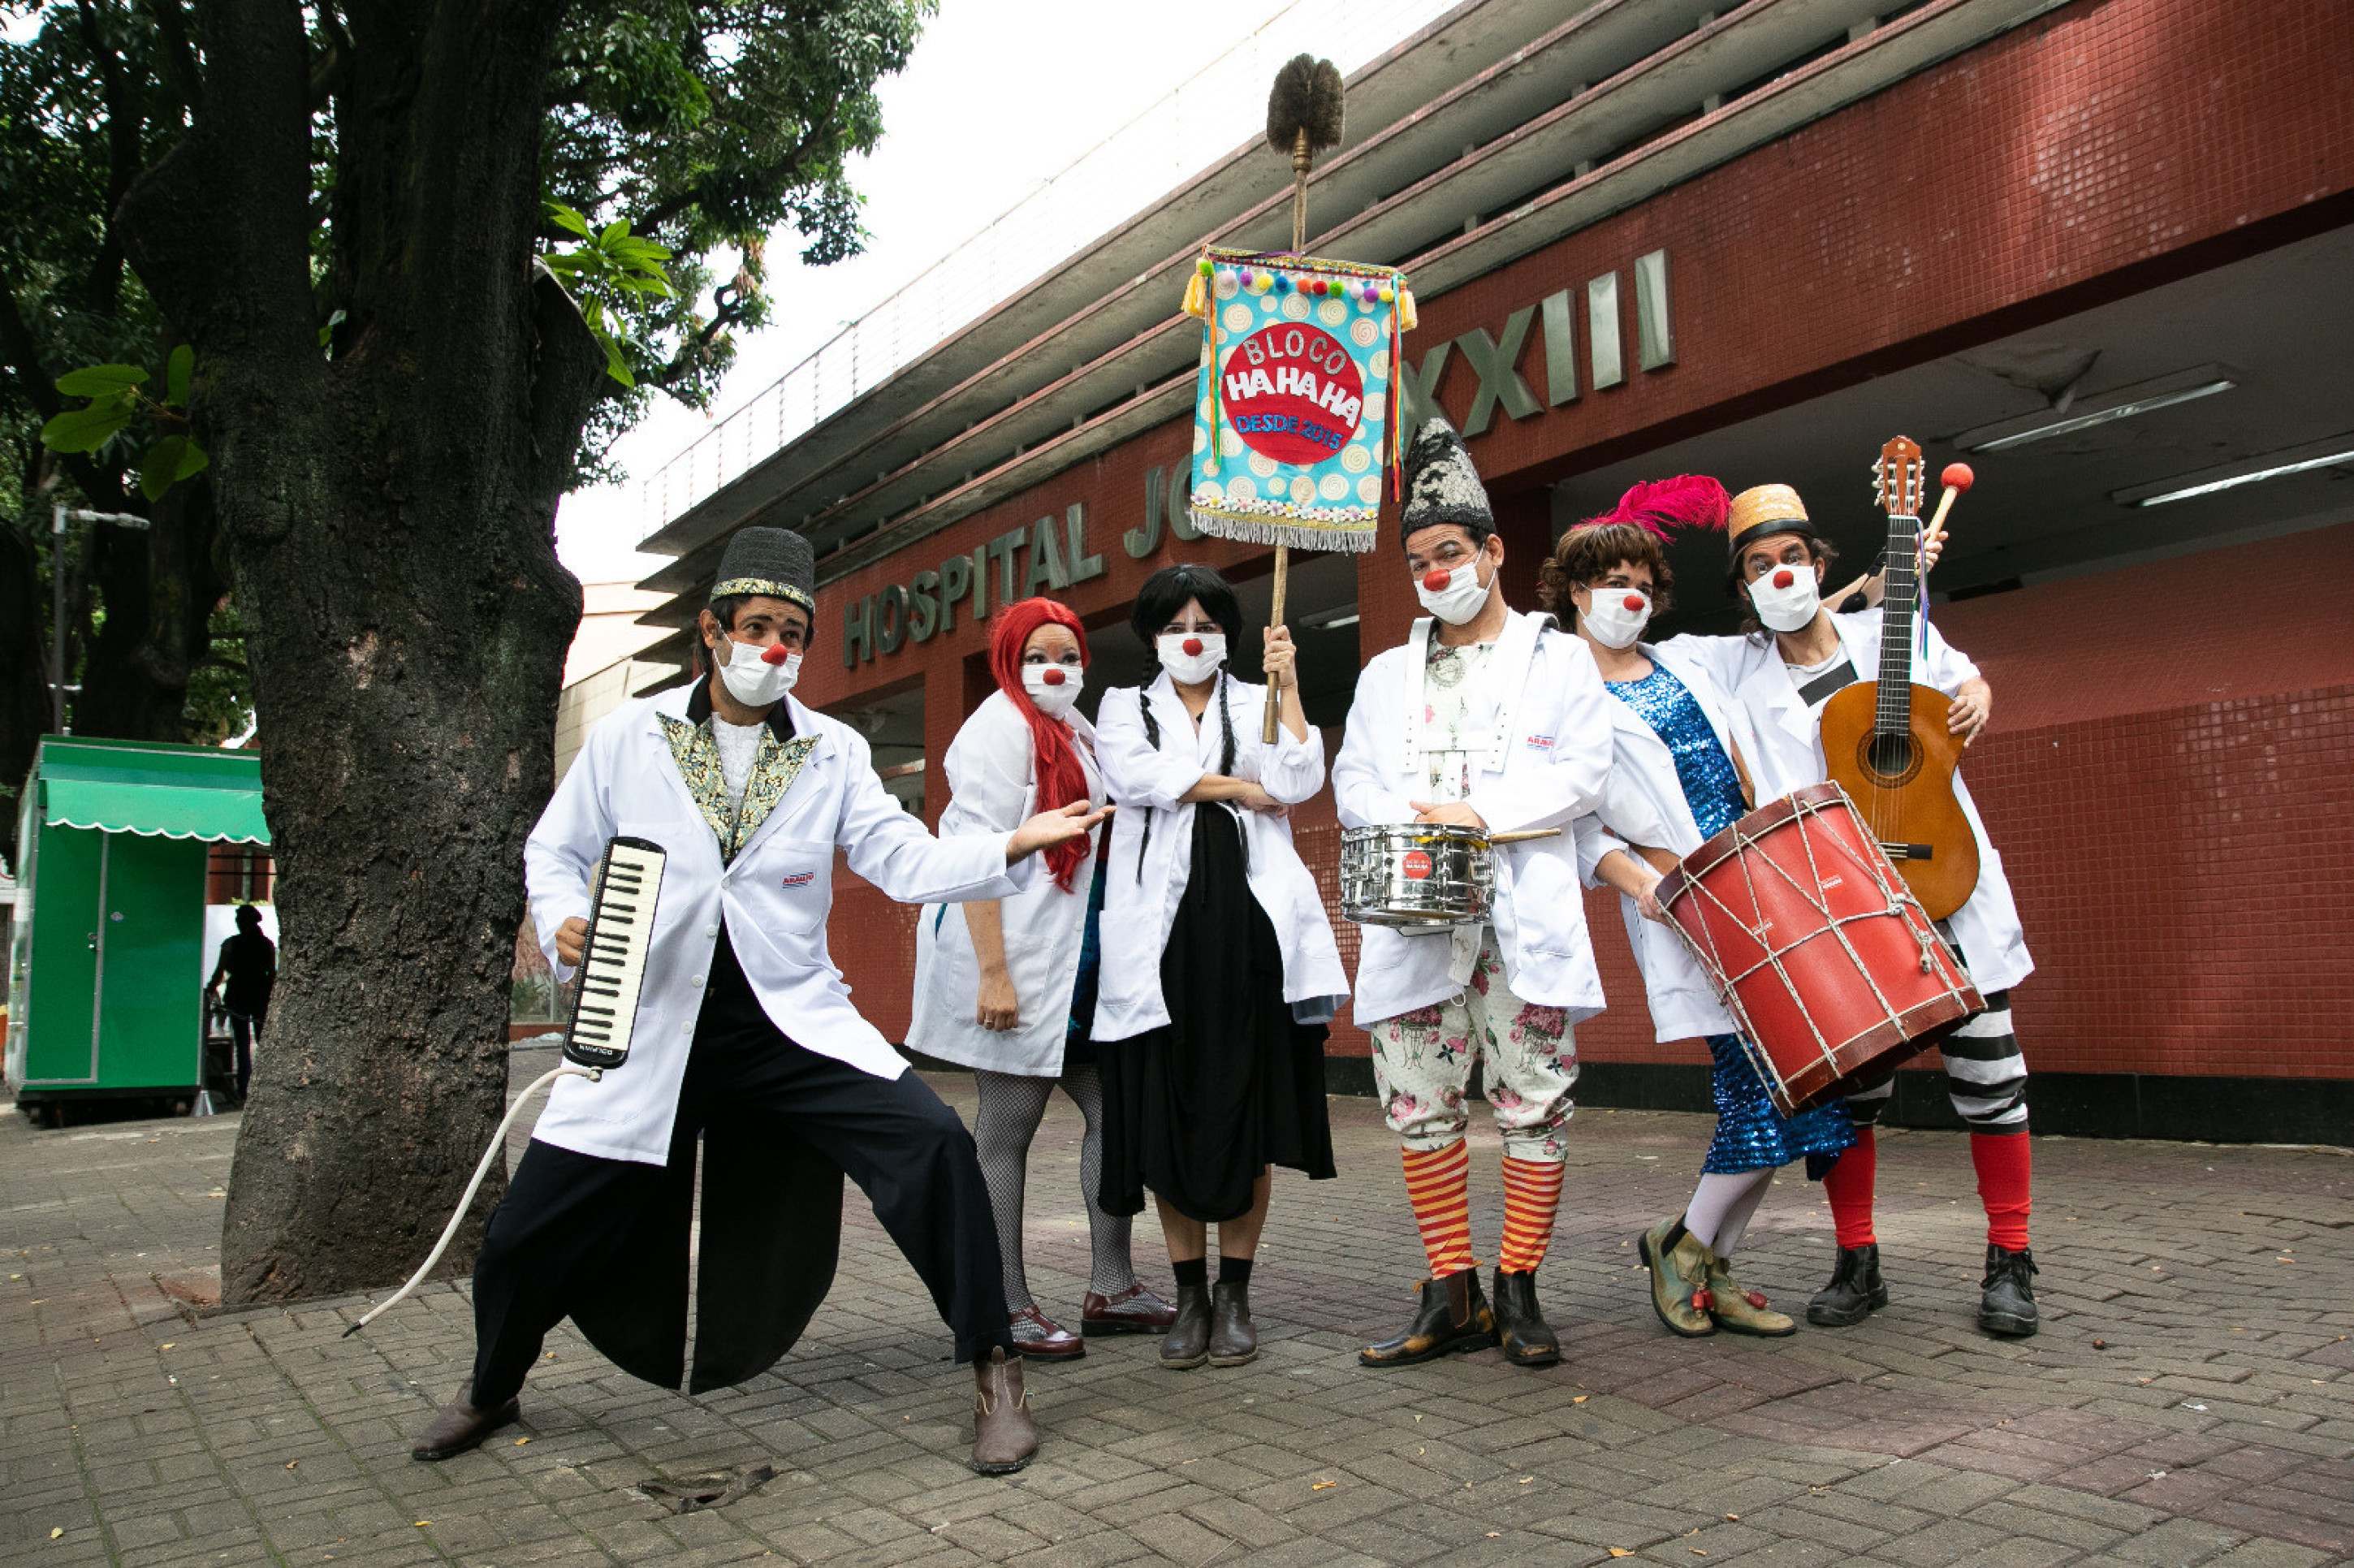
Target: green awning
[{"x": 152, "y": 790}]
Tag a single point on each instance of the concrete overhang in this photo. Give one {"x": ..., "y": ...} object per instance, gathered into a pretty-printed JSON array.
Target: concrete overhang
[{"x": 1655, "y": 92}]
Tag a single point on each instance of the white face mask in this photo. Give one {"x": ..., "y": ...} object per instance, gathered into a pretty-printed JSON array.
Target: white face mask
[
  {"x": 1786, "y": 597},
  {"x": 1192, "y": 657},
  {"x": 1461, "y": 597},
  {"x": 1615, "y": 616},
  {"x": 752, "y": 680},
  {"x": 1054, "y": 688}
]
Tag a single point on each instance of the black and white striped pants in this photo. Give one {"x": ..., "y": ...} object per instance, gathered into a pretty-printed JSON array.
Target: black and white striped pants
[{"x": 1985, "y": 1075}]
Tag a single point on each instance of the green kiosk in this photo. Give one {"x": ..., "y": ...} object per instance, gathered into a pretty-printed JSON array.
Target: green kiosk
[{"x": 106, "y": 955}]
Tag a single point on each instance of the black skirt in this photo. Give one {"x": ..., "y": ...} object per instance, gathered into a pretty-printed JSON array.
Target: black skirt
[{"x": 1195, "y": 1110}]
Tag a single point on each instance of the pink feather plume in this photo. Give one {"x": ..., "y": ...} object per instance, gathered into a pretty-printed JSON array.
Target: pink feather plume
[{"x": 1688, "y": 502}]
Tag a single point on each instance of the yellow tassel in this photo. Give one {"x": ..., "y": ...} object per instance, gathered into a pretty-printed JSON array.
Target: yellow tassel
[
  {"x": 1405, "y": 309},
  {"x": 1197, "y": 294}
]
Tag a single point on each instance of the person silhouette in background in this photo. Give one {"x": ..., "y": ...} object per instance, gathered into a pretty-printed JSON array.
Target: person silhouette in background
[{"x": 248, "y": 964}]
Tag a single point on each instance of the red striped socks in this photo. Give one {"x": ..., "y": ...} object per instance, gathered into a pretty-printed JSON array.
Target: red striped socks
[
  {"x": 1439, "y": 1185},
  {"x": 1848, "y": 1185},
  {"x": 1531, "y": 1198},
  {"x": 2005, "y": 1167}
]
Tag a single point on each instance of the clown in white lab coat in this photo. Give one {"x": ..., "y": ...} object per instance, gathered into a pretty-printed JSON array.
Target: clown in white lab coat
[
  {"x": 1492, "y": 719},
  {"x": 744, "y": 1042},
  {"x": 1782, "y": 674}
]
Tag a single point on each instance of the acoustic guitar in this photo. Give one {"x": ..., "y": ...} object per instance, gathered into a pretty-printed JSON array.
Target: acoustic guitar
[{"x": 1885, "y": 741}]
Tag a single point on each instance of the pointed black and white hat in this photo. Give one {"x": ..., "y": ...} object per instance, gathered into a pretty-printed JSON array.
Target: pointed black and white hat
[
  {"x": 776, "y": 562},
  {"x": 1441, "y": 485}
]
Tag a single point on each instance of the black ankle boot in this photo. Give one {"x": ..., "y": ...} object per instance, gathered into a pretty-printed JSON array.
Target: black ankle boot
[
  {"x": 1855, "y": 1291},
  {"x": 1188, "y": 1344},
  {"x": 1520, "y": 1327},
  {"x": 2006, "y": 1296},
  {"x": 1453, "y": 1316}
]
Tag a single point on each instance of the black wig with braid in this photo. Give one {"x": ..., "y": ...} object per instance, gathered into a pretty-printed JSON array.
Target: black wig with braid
[{"x": 1159, "y": 602}]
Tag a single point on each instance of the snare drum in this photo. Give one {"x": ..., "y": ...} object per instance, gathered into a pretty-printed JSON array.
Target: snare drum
[
  {"x": 1816, "y": 946},
  {"x": 1416, "y": 876}
]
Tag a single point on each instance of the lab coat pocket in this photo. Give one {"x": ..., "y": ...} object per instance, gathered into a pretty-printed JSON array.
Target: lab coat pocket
[
  {"x": 1547, "y": 899},
  {"x": 798, "y": 873}
]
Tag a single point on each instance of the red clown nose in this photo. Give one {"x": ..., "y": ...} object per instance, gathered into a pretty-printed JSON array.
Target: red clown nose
[
  {"x": 1052, "y": 677},
  {"x": 1192, "y": 647},
  {"x": 1783, "y": 578},
  {"x": 1633, "y": 601},
  {"x": 775, "y": 653},
  {"x": 1436, "y": 579}
]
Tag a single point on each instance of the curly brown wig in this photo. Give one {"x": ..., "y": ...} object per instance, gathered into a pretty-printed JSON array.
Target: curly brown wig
[{"x": 1587, "y": 555}]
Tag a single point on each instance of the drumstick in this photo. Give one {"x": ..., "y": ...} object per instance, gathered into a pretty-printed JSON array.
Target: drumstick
[{"x": 1524, "y": 836}]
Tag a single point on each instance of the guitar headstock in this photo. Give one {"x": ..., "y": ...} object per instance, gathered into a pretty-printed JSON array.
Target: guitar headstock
[{"x": 1896, "y": 478}]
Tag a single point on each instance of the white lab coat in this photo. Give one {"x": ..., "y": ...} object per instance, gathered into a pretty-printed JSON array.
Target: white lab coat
[
  {"x": 1644, "y": 803},
  {"x": 1140, "y": 899},
  {"x": 994, "y": 787},
  {"x": 1790, "y": 741},
  {"x": 1545, "y": 766},
  {"x": 775, "y": 896}
]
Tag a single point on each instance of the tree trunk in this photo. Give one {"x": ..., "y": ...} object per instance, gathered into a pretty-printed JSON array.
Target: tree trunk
[
  {"x": 390, "y": 518},
  {"x": 406, "y": 694}
]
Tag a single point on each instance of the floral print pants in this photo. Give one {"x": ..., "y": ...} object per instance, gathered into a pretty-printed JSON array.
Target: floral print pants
[{"x": 1422, "y": 1059}]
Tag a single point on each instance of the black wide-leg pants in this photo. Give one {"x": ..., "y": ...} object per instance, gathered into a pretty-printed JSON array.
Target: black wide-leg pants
[{"x": 568, "y": 1218}]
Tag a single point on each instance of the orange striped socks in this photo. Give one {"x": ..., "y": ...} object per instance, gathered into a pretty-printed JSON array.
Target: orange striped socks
[
  {"x": 1532, "y": 1197},
  {"x": 1439, "y": 1185}
]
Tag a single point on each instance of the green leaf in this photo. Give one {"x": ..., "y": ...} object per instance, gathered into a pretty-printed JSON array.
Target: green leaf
[
  {"x": 176, "y": 375},
  {"x": 567, "y": 218},
  {"x": 169, "y": 461},
  {"x": 98, "y": 380},
  {"x": 615, "y": 365},
  {"x": 618, "y": 230},
  {"x": 87, "y": 429}
]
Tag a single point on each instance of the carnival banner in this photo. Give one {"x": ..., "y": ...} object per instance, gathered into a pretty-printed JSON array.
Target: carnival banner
[{"x": 1296, "y": 411}]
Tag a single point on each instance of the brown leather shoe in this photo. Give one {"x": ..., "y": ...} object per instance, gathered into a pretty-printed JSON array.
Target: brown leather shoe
[
  {"x": 1039, "y": 1340},
  {"x": 458, "y": 1426},
  {"x": 1134, "y": 1310},
  {"x": 1232, "y": 1341},
  {"x": 1188, "y": 1343},
  {"x": 1004, "y": 1434},
  {"x": 1454, "y": 1317}
]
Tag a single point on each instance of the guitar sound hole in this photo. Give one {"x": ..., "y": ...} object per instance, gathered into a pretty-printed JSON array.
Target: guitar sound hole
[{"x": 1891, "y": 756}]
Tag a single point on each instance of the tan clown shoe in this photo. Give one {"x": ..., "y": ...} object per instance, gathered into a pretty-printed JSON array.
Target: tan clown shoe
[
  {"x": 1679, "y": 1279},
  {"x": 1741, "y": 1311}
]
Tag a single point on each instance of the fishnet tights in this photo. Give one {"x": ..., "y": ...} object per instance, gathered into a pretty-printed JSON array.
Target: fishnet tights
[{"x": 1009, "y": 1110}]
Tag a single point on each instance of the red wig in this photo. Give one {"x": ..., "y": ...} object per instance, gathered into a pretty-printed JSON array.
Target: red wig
[{"x": 1054, "y": 761}]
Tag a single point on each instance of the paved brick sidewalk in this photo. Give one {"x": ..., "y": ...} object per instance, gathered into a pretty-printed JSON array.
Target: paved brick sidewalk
[{"x": 2216, "y": 1425}]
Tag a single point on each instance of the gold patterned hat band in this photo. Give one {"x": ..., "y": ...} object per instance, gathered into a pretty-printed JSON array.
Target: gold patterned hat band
[
  {"x": 1772, "y": 507},
  {"x": 768, "y": 585}
]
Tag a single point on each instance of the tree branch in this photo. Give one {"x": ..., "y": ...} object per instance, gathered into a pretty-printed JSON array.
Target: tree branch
[
  {"x": 179, "y": 57},
  {"x": 776, "y": 170},
  {"x": 102, "y": 282},
  {"x": 568, "y": 378},
  {"x": 219, "y": 226}
]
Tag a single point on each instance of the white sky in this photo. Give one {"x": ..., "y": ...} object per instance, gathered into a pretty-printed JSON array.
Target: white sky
[{"x": 999, "y": 96}]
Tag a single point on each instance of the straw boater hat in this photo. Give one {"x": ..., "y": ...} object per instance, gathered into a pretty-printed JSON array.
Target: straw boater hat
[
  {"x": 1441, "y": 485},
  {"x": 776, "y": 562},
  {"x": 1764, "y": 510}
]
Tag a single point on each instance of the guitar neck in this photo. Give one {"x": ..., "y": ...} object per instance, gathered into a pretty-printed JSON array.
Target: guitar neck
[{"x": 1899, "y": 602}]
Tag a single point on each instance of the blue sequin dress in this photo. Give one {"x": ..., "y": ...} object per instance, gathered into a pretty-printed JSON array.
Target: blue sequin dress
[{"x": 1751, "y": 1135}]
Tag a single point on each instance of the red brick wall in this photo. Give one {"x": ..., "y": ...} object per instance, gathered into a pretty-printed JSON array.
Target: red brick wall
[{"x": 2094, "y": 153}]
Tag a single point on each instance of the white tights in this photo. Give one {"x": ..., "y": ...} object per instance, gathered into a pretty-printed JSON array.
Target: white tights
[{"x": 1721, "y": 1207}]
